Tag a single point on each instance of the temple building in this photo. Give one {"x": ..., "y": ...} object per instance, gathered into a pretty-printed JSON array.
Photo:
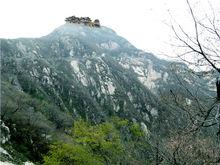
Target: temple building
[{"x": 83, "y": 20}]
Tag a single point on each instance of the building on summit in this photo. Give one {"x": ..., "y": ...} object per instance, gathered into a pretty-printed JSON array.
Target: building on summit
[{"x": 83, "y": 20}]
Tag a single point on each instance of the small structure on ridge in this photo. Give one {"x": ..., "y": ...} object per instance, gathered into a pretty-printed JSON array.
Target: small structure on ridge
[{"x": 83, "y": 20}]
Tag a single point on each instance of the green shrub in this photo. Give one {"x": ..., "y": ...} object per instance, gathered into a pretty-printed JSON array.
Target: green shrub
[
  {"x": 100, "y": 143},
  {"x": 61, "y": 154},
  {"x": 136, "y": 131}
]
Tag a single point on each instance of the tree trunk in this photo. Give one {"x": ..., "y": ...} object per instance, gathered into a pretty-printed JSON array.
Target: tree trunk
[{"x": 218, "y": 89}]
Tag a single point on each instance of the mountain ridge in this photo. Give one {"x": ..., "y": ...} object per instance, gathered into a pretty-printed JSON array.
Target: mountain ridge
[{"x": 78, "y": 71}]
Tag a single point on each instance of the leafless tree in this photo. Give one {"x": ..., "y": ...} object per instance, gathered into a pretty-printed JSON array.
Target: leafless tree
[{"x": 201, "y": 47}]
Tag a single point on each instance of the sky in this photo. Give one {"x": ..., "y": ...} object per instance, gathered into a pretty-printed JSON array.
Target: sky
[{"x": 145, "y": 23}]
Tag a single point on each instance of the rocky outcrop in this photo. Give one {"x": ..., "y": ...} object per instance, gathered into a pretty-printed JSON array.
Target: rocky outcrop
[
  {"x": 83, "y": 20},
  {"x": 5, "y": 133}
]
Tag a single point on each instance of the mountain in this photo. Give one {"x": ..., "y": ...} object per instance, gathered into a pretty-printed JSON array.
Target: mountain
[
  {"x": 90, "y": 72},
  {"x": 87, "y": 72}
]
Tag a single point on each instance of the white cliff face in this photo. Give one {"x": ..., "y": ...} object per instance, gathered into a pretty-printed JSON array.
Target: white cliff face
[
  {"x": 145, "y": 129},
  {"x": 165, "y": 77},
  {"x": 110, "y": 87},
  {"x": 6, "y": 163},
  {"x": 79, "y": 73},
  {"x": 188, "y": 101},
  {"x": 106, "y": 83},
  {"x": 3, "y": 151},
  {"x": 150, "y": 77},
  {"x": 111, "y": 45},
  {"x": 130, "y": 97},
  {"x": 144, "y": 71},
  {"x": 124, "y": 65}
]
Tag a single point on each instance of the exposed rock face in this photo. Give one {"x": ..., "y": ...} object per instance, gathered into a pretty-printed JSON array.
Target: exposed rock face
[
  {"x": 5, "y": 133},
  {"x": 83, "y": 20},
  {"x": 88, "y": 69},
  {"x": 91, "y": 72}
]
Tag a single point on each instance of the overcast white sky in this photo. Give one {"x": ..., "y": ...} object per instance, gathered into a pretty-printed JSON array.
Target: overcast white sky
[{"x": 139, "y": 21}]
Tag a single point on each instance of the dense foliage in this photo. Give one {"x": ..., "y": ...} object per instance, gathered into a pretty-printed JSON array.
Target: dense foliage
[{"x": 97, "y": 144}]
